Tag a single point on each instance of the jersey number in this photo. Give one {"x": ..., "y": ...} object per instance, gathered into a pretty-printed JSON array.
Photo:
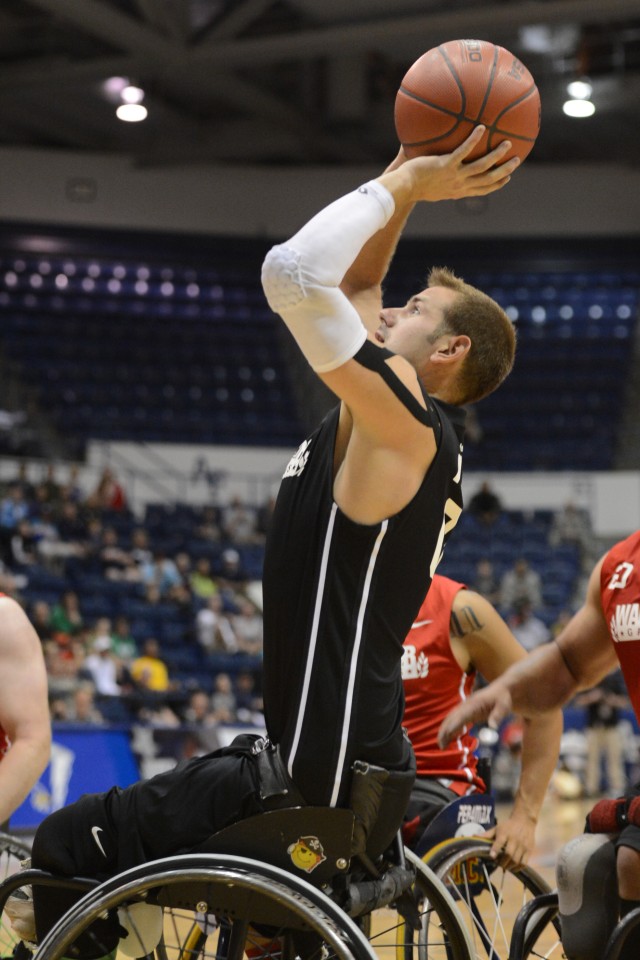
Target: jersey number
[{"x": 452, "y": 511}]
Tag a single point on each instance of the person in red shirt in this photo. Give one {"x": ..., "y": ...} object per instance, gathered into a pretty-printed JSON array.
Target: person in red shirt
[
  {"x": 605, "y": 631},
  {"x": 25, "y": 729},
  {"x": 456, "y": 634}
]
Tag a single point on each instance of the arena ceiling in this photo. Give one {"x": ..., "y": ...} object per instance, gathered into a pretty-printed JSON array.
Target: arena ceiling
[{"x": 296, "y": 81}]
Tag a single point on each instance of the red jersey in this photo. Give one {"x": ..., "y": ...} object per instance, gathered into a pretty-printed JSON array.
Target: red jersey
[
  {"x": 433, "y": 685},
  {"x": 620, "y": 593}
]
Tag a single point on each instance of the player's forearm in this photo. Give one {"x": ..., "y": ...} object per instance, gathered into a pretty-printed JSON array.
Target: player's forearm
[
  {"x": 540, "y": 750},
  {"x": 539, "y": 683},
  {"x": 19, "y": 772},
  {"x": 372, "y": 263},
  {"x": 301, "y": 277}
]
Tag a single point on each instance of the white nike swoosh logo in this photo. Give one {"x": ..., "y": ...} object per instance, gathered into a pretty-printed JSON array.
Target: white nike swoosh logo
[
  {"x": 420, "y": 623},
  {"x": 94, "y": 834}
]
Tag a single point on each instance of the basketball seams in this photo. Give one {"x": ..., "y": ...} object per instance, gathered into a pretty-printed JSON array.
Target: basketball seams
[
  {"x": 492, "y": 77},
  {"x": 433, "y": 106},
  {"x": 460, "y": 84}
]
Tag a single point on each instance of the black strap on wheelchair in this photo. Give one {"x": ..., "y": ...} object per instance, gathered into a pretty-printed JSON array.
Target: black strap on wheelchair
[{"x": 277, "y": 789}]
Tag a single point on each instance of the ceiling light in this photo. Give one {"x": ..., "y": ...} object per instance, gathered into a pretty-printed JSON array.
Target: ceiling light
[
  {"x": 579, "y": 89},
  {"x": 578, "y": 108},
  {"x": 132, "y": 94},
  {"x": 131, "y": 112}
]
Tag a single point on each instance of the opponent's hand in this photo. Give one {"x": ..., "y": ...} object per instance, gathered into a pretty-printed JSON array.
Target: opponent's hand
[
  {"x": 489, "y": 706},
  {"x": 513, "y": 841},
  {"x": 451, "y": 176}
]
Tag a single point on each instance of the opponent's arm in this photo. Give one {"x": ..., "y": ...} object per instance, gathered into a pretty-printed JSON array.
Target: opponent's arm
[
  {"x": 493, "y": 649},
  {"x": 549, "y": 676},
  {"x": 24, "y": 711}
]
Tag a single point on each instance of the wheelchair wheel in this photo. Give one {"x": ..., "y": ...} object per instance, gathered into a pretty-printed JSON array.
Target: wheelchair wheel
[
  {"x": 489, "y": 898},
  {"x": 436, "y": 932},
  {"x": 203, "y": 907},
  {"x": 12, "y": 851}
]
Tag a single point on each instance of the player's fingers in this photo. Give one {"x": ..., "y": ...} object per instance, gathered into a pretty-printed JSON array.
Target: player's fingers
[
  {"x": 490, "y": 159},
  {"x": 467, "y": 146}
]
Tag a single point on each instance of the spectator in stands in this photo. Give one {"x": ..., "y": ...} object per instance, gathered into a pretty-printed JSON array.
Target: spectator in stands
[
  {"x": 249, "y": 704},
  {"x": 521, "y": 582},
  {"x": 162, "y": 573},
  {"x": 209, "y": 527},
  {"x": 22, "y": 478},
  {"x": 108, "y": 494},
  {"x": 530, "y": 631},
  {"x": 181, "y": 593},
  {"x": 102, "y": 667},
  {"x": 223, "y": 700},
  {"x": 51, "y": 488},
  {"x": 486, "y": 582},
  {"x": 64, "y": 658},
  {"x": 23, "y": 546},
  {"x": 140, "y": 553},
  {"x": 199, "y": 716},
  {"x": 485, "y": 504},
  {"x": 70, "y": 535},
  {"x": 214, "y": 629},
  {"x": 123, "y": 642},
  {"x": 66, "y": 616},
  {"x": 148, "y": 671},
  {"x": 117, "y": 563},
  {"x": 603, "y": 730},
  {"x": 572, "y": 525},
  {"x": 13, "y": 510},
  {"x": 82, "y": 708},
  {"x": 40, "y": 616},
  {"x": 248, "y": 627},
  {"x": 239, "y": 522},
  {"x": 72, "y": 491},
  {"x": 203, "y": 586}
]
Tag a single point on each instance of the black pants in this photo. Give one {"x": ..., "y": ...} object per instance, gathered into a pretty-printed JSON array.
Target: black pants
[{"x": 101, "y": 835}]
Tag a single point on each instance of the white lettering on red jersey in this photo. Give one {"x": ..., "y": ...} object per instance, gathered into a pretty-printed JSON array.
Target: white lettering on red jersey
[
  {"x": 434, "y": 684},
  {"x": 620, "y": 593}
]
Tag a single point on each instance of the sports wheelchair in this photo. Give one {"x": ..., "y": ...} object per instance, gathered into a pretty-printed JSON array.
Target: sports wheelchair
[
  {"x": 542, "y": 911},
  {"x": 12, "y": 852},
  {"x": 280, "y": 884},
  {"x": 488, "y": 896}
]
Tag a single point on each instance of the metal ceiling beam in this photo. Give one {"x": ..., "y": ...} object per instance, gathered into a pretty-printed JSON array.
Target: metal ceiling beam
[
  {"x": 239, "y": 17},
  {"x": 385, "y": 33},
  {"x": 105, "y": 21}
]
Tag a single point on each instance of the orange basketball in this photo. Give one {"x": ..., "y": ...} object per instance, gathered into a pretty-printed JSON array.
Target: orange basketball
[{"x": 454, "y": 87}]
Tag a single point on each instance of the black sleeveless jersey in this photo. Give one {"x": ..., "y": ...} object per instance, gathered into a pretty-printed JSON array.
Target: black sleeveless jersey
[{"x": 339, "y": 600}]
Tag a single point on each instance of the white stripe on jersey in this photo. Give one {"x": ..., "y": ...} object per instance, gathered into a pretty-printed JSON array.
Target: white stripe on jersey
[
  {"x": 313, "y": 639},
  {"x": 354, "y": 663}
]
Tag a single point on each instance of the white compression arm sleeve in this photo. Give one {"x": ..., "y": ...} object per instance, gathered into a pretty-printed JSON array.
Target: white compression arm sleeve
[{"x": 301, "y": 277}]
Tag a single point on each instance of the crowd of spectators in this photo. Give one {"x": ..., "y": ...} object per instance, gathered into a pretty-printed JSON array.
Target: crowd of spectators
[{"x": 103, "y": 665}]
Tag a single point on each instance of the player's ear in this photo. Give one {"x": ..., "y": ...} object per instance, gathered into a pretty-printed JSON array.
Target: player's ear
[{"x": 455, "y": 348}]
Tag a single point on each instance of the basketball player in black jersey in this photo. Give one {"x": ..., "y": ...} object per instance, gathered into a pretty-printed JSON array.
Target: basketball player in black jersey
[{"x": 363, "y": 512}]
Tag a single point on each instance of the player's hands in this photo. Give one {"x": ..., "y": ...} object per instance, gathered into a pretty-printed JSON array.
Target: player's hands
[
  {"x": 513, "y": 840},
  {"x": 451, "y": 176},
  {"x": 489, "y": 706}
]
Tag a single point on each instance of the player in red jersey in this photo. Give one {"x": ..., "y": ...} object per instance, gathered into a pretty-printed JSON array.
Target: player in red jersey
[
  {"x": 456, "y": 633},
  {"x": 25, "y": 729},
  {"x": 604, "y": 632}
]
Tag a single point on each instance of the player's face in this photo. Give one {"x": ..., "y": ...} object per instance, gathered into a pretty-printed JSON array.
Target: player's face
[{"x": 409, "y": 330}]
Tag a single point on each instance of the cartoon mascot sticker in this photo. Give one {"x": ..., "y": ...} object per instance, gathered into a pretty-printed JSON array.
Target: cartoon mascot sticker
[{"x": 306, "y": 853}]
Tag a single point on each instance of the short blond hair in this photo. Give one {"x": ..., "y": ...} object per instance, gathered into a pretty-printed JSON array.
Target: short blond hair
[{"x": 492, "y": 335}]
